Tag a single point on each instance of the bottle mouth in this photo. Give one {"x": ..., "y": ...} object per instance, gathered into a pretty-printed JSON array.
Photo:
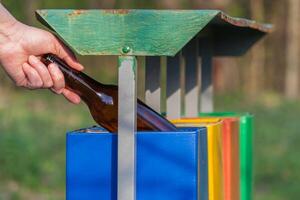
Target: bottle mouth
[{"x": 47, "y": 59}]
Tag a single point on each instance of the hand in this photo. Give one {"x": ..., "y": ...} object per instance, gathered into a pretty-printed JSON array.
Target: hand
[{"x": 20, "y": 51}]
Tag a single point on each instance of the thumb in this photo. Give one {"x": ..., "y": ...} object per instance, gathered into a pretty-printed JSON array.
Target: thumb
[{"x": 66, "y": 54}]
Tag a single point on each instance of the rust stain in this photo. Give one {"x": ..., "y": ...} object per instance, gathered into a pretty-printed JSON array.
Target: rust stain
[
  {"x": 117, "y": 11},
  {"x": 76, "y": 13},
  {"x": 246, "y": 23}
]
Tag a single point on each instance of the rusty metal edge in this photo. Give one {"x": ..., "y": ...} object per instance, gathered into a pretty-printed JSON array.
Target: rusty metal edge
[{"x": 245, "y": 23}]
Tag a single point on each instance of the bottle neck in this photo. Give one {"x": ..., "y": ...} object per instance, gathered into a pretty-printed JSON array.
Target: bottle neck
[{"x": 76, "y": 81}]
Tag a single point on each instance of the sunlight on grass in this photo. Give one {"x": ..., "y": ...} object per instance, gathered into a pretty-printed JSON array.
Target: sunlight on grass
[{"x": 276, "y": 144}]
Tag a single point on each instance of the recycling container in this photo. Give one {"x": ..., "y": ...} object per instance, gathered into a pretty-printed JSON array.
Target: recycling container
[
  {"x": 167, "y": 164},
  {"x": 246, "y": 150},
  {"x": 214, "y": 153}
]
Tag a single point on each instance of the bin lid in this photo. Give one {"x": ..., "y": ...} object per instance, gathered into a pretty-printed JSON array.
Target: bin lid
[{"x": 150, "y": 32}]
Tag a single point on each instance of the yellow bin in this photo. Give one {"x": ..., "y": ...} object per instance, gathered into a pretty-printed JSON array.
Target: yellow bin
[{"x": 215, "y": 154}]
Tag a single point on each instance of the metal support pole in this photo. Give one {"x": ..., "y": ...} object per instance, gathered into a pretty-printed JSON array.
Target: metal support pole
[
  {"x": 191, "y": 55},
  {"x": 127, "y": 128},
  {"x": 141, "y": 77},
  {"x": 152, "y": 84},
  {"x": 206, "y": 91},
  {"x": 173, "y": 87}
]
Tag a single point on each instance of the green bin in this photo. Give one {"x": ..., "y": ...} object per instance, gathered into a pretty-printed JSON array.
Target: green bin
[{"x": 246, "y": 150}]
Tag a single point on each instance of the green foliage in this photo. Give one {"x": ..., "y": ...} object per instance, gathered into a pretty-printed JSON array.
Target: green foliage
[
  {"x": 15, "y": 7},
  {"x": 32, "y": 139},
  {"x": 276, "y": 144}
]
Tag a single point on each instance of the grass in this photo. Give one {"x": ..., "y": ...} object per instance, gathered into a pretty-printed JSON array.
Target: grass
[
  {"x": 32, "y": 143},
  {"x": 276, "y": 144}
]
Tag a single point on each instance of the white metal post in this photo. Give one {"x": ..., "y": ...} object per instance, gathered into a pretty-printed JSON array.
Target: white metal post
[
  {"x": 127, "y": 128},
  {"x": 192, "y": 67},
  {"x": 173, "y": 87},
  {"x": 152, "y": 83},
  {"x": 206, "y": 91}
]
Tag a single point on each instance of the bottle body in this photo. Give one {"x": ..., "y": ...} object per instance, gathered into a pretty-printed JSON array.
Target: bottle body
[{"x": 102, "y": 100}]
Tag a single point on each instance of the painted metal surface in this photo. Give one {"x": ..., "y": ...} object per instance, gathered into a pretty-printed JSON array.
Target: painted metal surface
[
  {"x": 215, "y": 153},
  {"x": 167, "y": 165},
  {"x": 203, "y": 183},
  {"x": 192, "y": 76},
  {"x": 207, "y": 90},
  {"x": 127, "y": 128},
  {"x": 231, "y": 158},
  {"x": 231, "y": 163},
  {"x": 141, "y": 78},
  {"x": 246, "y": 151},
  {"x": 173, "y": 87},
  {"x": 246, "y": 157},
  {"x": 215, "y": 162},
  {"x": 202, "y": 166},
  {"x": 153, "y": 82},
  {"x": 148, "y": 32}
]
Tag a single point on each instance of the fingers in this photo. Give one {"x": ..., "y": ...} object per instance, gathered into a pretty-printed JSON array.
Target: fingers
[
  {"x": 33, "y": 78},
  {"x": 66, "y": 54},
  {"x": 57, "y": 78},
  {"x": 71, "y": 96},
  {"x": 39, "y": 76},
  {"x": 42, "y": 71}
]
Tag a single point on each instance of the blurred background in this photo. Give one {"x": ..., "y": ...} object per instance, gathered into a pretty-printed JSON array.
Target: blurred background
[{"x": 264, "y": 82}]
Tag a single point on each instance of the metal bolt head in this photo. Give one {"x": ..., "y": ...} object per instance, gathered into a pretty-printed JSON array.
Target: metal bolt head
[{"x": 126, "y": 49}]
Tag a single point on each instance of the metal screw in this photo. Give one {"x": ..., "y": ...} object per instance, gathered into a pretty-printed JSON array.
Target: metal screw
[{"x": 126, "y": 49}]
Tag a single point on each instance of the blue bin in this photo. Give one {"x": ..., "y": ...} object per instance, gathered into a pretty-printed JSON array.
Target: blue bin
[{"x": 170, "y": 165}]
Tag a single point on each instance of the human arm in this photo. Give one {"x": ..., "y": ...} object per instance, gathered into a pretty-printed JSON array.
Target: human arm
[{"x": 20, "y": 49}]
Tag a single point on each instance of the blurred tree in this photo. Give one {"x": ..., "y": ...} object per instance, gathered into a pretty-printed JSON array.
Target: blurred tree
[
  {"x": 170, "y": 4},
  {"x": 124, "y": 4},
  {"x": 254, "y": 79},
  {"x": 104, "y": 4},
  {"x": 31, "y": 6},
  {"x": 274, "y": 73},
  {"x": 292, "y": 58},
  {"x": 214, "y": 4}
]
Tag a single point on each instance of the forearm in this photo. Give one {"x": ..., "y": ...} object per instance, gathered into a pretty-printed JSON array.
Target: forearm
[
  {"x": 5, "y": 17},
  {"x": 7, "y": 21}
]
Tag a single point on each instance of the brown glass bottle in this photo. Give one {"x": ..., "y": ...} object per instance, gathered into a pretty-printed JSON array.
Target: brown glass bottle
[{"x": 102, "y": 100}]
